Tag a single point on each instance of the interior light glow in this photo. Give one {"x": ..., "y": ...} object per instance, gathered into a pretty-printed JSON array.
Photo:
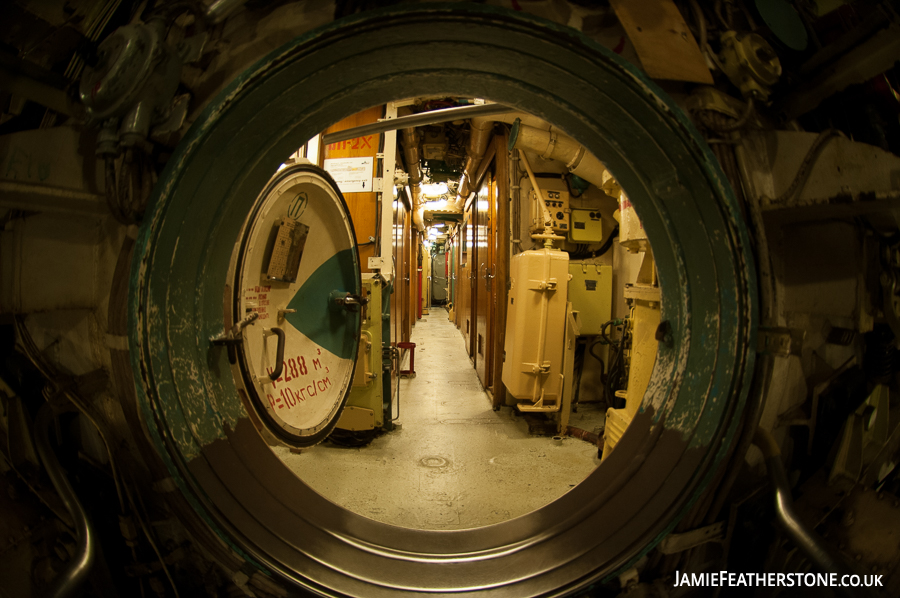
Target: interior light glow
[
  {"x": 436, "y": 205},
  {"x": 434, "y": 189}
]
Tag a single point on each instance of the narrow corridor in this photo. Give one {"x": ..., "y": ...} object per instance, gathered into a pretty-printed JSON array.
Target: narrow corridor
[{"x": 454, "y": 463}]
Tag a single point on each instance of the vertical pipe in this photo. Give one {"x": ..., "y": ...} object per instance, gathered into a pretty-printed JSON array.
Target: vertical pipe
[
  {"x": 79, "y": 566},
  {"x": 386, "y": 235},
  {"x": 540, "y": 206},
  {"x": 806, "y": 539},
  {"x": 386, "y": 358}
]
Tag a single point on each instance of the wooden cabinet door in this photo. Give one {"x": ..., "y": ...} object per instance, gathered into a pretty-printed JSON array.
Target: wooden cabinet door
[
  {"x": 409, "y": 275},
  {"x": 464, "y": 293},
  {"x": 484, "y": 208},
  {"x": 400, "y": 296}
]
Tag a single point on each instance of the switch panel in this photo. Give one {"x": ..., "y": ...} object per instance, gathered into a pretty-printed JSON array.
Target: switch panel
[
  {"x": 557, "y": 203},
  {"x": 590, "y": 291},
  {"x": 587, "y": 226}
]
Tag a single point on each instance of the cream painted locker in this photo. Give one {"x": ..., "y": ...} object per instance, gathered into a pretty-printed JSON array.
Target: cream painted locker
[{"x": 535, "y": 327}]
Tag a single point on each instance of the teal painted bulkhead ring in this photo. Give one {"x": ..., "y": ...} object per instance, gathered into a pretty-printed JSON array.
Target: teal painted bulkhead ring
[{"x": 689, "y": 416}]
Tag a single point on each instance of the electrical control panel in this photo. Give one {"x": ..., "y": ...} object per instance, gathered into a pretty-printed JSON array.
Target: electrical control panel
[
  {"x": 587, "y": 226},
  {"x": 590, "y": 291},
  {"x": 557, "y": 203}
]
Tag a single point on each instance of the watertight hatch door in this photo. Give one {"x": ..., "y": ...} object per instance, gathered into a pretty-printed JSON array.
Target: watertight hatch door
[{"x": 297, "y": 269}]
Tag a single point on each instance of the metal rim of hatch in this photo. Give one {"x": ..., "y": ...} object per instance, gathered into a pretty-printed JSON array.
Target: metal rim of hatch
[{"x": 194, "y": 415}]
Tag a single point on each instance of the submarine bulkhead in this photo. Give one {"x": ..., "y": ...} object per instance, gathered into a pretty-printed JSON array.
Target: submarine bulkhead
[{"x": 515, "y": 298}]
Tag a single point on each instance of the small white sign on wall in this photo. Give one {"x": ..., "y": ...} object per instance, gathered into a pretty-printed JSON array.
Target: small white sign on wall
[{"x": 353, "y": 175}]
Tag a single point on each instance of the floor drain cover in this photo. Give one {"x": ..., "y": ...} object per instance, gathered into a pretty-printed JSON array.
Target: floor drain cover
[{"x": 433, "y": 461}]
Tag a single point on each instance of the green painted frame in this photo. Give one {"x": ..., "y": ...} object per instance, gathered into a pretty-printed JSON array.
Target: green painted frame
[{"x": 699, "y": 385}]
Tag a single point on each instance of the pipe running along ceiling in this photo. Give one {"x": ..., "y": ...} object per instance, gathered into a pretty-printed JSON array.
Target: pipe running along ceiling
[{"x": 233, "y": 486}]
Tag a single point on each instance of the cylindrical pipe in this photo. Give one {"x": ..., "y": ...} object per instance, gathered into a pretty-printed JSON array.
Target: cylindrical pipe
[
  {"x": 219, "y": 10},
  {"x": 481, "y": 127},
  {"x": 806, "y": 539},
  {"x": 540, "y": 204},
  {"x": 413, "y": 166},
  {"x": 554, "y": 145},
  {"x": 583, "y": 435},
  {"x": 81, "y": 562},
  {"x": 479, "y": 137},
  {"x": 432, "y": 117}
]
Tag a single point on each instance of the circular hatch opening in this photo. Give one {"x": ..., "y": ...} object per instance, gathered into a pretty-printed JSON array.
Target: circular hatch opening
[
  {"x": 200, "y": 426},
  {"x": 494, "y": 464}
]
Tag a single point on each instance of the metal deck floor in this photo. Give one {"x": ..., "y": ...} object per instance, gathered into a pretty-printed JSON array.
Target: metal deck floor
[{"x": 455, "y": 463}]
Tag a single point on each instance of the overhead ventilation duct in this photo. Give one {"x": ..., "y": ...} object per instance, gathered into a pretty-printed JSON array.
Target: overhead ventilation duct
[
  {"x": 528, "y": 133},
  {"x": 479, "y": 138},
  {"x": 553, "y": 145},
  {"x": 414, "y": 170}
]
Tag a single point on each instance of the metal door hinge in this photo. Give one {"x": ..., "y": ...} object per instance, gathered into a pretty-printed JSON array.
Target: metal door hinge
[
  {"x": 534, "y": 368},
  {"x": 542, "y": 285},
  {"x": 235, "y": 335}
]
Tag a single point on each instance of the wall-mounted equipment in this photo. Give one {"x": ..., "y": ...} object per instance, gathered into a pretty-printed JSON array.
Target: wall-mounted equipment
[
  {"x": 287, "y": 251},
  {"x": 364, "y": 406},
  {"x": 535, "y": 328},
  {"x": 557, "y": 203},
  {"x": 134, "y": 80},
  {"x": 587, "y": 226},
  {"x": 750, "y": 62},
  {"x": 590, "y": 291}
]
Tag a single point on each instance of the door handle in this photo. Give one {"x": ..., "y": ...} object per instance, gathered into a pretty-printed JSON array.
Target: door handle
[
  {"x": 348, "y": 301},
  {"x": 279, "y": 356}
]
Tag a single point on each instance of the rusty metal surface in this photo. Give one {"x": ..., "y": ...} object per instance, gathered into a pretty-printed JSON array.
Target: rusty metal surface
[{"x": 195, "y": 417}]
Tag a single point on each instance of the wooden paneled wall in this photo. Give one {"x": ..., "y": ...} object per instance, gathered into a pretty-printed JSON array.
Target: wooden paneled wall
[{"x": 363, "y": 206}]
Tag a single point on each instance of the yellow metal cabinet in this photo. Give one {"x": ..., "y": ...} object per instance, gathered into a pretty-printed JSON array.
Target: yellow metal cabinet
[
  {"x": 535, "y": 328},
  {"x": 364, "y": 406}
]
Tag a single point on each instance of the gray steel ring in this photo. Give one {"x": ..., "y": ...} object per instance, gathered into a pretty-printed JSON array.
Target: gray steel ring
[{"x": 699, "y": 385}]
